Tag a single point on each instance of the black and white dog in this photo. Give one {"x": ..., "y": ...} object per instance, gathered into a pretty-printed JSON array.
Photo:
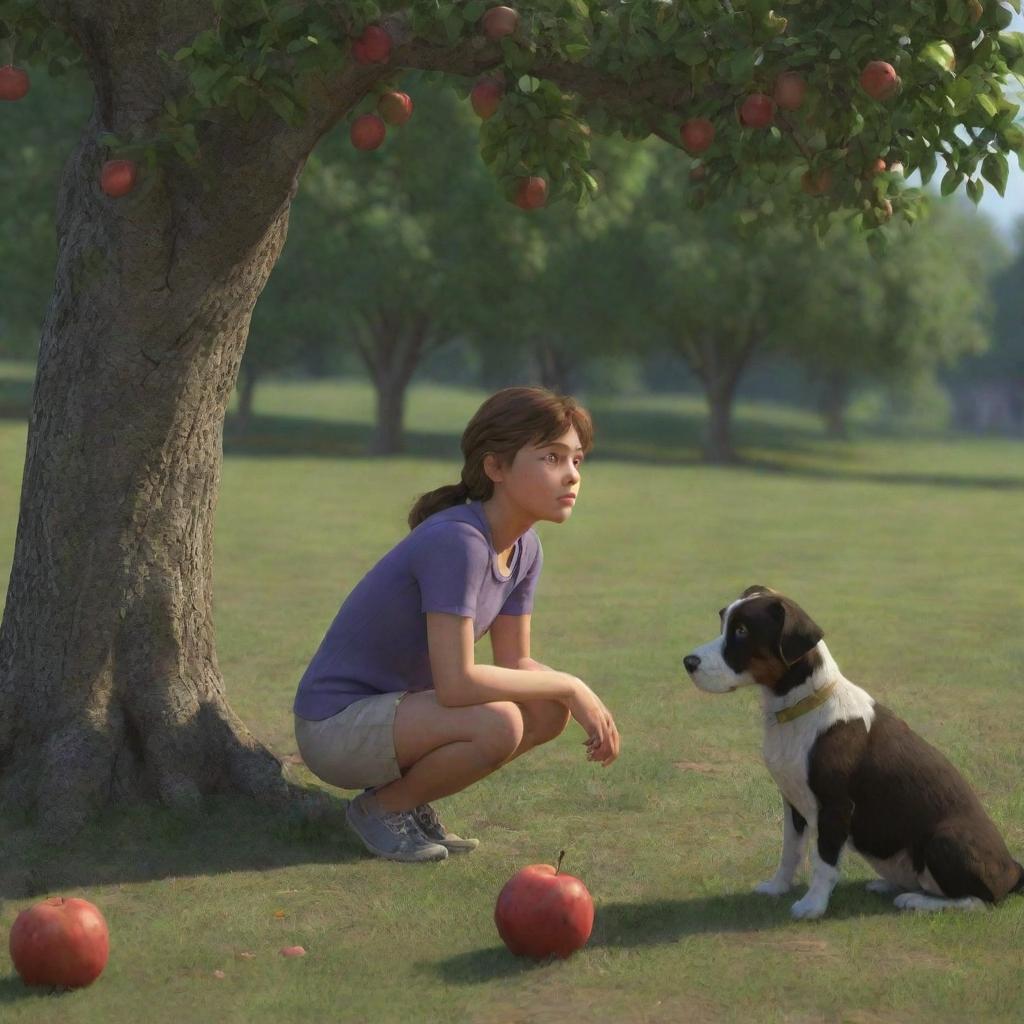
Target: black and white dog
[{"x": 851, "y": 771}]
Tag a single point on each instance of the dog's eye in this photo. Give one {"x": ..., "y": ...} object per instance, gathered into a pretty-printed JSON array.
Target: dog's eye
[{"x": 741, "y": 630}]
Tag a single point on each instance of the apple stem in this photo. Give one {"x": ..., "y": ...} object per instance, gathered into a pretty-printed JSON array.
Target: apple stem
[{"x": 558, "y": 866}]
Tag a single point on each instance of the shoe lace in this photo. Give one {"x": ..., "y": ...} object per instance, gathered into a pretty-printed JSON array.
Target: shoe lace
[
  {"x": 427, "y": 817},
  {"x": 400, "y": 823}
]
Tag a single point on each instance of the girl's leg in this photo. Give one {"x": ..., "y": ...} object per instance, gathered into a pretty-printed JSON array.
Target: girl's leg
[{"x": 443, "y": 750}]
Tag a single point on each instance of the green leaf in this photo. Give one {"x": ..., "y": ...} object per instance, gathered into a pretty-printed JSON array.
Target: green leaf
[
  {"x": 927, "y": 166},
  {"x": 950, "y": 180},
  {"x": 975, "y": 189},
  {"x": 185, "y": 51},
  {"x": 473, "y": 11},
  {"x": 996, "y": 170},
  {"x": 987, "y": 104}
]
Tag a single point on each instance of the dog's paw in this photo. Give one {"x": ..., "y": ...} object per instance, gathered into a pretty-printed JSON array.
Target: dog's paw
[
  {"x": 773, "y": 887},
  {"x": 882, "y": 886},
  {"x": 808, "y": 909}
]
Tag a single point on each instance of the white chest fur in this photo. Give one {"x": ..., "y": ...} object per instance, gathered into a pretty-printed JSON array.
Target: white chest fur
[{"x": 787, "y": 745}]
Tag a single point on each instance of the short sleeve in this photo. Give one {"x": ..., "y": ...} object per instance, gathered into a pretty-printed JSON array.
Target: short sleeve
[
  {"x": 450, "y": 563},
  {"x": 520, "y": 601}
]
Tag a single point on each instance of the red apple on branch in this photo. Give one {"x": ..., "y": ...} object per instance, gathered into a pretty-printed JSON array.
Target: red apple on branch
[
  {"x": 485, "y": 97},
  {"x": 879, "y": 80},
  {"x": 13, "y": 82},
  {"x": 757, "y": 110},
  {"x": 373, "y": 46},
  {"x": 117, "y": 178},
  {"x": 499, "y": 22},
  {"x": 875, "y": 167},
  {"x": 789, "y": 91},
  {"x": 395, "y": 107},
  {"x": 63, "y": 942},
  {"x": 531, "y": 193},
  {"x": 542, "y": 913},
  {"x": 696, "y": 135},
  {"x": 367, "y": 132}
]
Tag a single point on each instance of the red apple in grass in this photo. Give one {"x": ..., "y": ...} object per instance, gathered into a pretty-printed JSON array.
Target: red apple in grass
[
  {"x": 531, "y": 193},
  {"x": 789, "y": 91},
  {"x": 395, "y": 107},
  {"x": 373, "y": 46},
  {"x": 485, "y": 97},
  {"x": 117, "y": 178},
  {"x": 696, "y": 135},
  {"x": 61, "y": 942},
  {"x": 499, "y": 22},
  {"x": 541, "y": 912},
  {"x": 367, "y": 132},
  {"x": 757, "y": 110},
  {"x": 879, "y": 80},
  {"x": 13, "y": 82}
]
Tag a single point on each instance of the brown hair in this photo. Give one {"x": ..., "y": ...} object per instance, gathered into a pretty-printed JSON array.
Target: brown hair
[{"x": 509, "y": 420}]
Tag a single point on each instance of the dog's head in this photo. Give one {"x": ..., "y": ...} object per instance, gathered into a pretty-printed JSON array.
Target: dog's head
[{"x": 766, "y": 639}]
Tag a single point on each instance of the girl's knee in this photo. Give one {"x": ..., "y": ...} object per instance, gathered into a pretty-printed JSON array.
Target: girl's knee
[
  {"x": 501, "y": 728},
  {"x": 548, "y": 720}
]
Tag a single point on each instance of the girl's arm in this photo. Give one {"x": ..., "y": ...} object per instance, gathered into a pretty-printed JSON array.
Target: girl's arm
[
  {"x": 459, "y": 681},
  {"x": 510, "y": 643}
]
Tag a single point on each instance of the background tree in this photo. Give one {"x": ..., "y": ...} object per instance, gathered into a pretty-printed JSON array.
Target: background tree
[
  {"x": 919, "y": 310},
  {"x": 109, "y": 684}
]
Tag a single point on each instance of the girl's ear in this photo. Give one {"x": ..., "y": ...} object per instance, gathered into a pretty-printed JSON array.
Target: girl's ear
[{"x": 492, "y": 467}]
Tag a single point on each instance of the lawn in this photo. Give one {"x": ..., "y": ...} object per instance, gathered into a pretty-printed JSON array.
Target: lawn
[{"x": 906, "y": 551}]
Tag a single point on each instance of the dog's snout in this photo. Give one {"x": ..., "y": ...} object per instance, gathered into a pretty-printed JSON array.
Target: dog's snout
[{"x": 692, "y": 662}]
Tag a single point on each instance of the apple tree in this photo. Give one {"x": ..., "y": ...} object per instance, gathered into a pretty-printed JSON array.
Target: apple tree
[{"x": 172, "y": 211}]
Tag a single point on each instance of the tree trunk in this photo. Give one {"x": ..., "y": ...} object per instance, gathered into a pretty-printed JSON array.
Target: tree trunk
[
  {"x": 719, "y": 448},
  {"x": 388, "y": 436},
  {"x": 554, "y": 368},
  {"x": 392, "y": 348},
  {"x": 835, "y": 398},
  {"x": 245, "y": 393},
  {"x": 109, "y": 684}
]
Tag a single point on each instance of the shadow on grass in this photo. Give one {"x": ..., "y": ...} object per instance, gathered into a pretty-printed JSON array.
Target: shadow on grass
[
  {"x": 14, "y": 990},
  {"x": 148, "y": 843},
  {"x": 661, "y": 922}
]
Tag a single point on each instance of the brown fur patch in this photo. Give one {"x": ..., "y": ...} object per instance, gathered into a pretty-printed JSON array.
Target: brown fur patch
[{"x": 766, "y": 670}]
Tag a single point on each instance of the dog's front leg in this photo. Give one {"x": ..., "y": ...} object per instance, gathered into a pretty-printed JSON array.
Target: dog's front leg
[
  {"x": 794, "y": 843},
  {"x": 833, "y": 831}
]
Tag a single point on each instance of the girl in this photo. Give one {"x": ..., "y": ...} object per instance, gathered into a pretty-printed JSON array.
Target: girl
[{"x": 393, "y": 702}]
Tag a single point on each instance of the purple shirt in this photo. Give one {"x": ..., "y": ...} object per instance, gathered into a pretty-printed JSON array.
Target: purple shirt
[{"x": 377, "y": 642}]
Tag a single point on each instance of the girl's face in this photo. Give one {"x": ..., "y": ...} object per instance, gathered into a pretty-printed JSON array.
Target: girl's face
[{"x": 543, "y": 480}]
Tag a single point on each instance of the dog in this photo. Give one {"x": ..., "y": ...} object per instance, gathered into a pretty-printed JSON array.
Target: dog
[{"x": 851, "y": 771}]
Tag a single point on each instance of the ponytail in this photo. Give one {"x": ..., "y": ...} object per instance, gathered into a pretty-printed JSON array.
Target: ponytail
[{"x": 434, "y": 501}]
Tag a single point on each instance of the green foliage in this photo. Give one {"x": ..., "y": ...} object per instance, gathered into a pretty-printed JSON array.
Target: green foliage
[{"x": 580, "y": 66}]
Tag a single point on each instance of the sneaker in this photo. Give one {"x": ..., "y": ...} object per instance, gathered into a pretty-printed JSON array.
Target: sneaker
[
  {"x": 430, "y": 825},
  {"x": 393, "y": 835}
]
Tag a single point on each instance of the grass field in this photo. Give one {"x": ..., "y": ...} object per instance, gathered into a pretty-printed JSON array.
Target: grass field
[{"x": 907, "y": 552}]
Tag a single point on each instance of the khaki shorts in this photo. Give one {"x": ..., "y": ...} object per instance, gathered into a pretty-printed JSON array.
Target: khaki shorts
[{"x": 354, "y": 749}]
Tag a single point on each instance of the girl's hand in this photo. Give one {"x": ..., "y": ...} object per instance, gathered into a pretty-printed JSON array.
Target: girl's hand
[{"x": 602, "y": 741}]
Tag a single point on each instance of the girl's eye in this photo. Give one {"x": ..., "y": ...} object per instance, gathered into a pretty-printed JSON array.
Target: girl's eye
[{"x": 551, "y": 455}]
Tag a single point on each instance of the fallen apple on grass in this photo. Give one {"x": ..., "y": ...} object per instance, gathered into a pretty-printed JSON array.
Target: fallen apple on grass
[
  {"x": 60, "y": 942},
  {"x": 541, "y": 912}
]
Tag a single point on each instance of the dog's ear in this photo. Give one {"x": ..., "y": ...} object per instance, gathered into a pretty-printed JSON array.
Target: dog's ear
[
  {"x": 756, "y": 589},
  {"x": 798, "y": 632}
]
